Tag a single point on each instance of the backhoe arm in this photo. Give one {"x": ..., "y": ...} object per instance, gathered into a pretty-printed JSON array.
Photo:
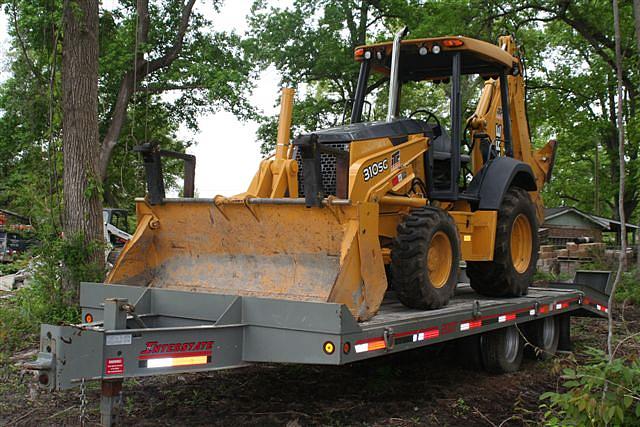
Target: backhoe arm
[{"x": 486, "y": 124}]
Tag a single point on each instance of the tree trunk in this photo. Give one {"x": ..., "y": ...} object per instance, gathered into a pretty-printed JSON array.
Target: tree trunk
[
  {"x": 636, "y": 15},
  {"x": 80, "y": 140},
  {"x": 620, "y": 123}
]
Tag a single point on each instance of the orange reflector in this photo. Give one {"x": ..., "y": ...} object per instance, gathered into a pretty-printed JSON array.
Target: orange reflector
[
  {"x": 376, "y": 345},
  {"x": 359, "y": 52},
  {"x": 346, "y": 348},
  {"x": 88, "y": 318},
  {"x": 452, "y": 43}
]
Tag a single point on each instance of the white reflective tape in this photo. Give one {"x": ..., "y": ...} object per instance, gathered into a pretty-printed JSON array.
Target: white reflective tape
[
  {"x": 558, "y": 306},
  {"x": 360, "y": 348},
  {"x": 421, "y": 336},
  {"x": 532, "y": 312},
  {"x": 502, "y": 318},
  {"x": 415, "y": 337},
  {"x": 464, "y": 326},
  {"x": 168, "y": 362},
  {"x": 599, "y": 307},
  {"x": 165, "y": 362}
]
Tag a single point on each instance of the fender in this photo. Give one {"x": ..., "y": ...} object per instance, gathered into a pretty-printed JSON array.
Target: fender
[{"x": 495, "y": 178}]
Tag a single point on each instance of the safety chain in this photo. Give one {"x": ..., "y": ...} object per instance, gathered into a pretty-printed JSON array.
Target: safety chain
[{"x": 83, "y": 403}]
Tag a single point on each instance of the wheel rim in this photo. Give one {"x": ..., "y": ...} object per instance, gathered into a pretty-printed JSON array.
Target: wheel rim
[
  {"x": 548, "y": 332},
  {"x": 439, "y": 259},
  {"x": 512, "y": 343},
  {"x": 521, "y": 243}
]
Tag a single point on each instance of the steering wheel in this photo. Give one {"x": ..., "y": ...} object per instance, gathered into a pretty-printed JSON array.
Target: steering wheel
[{"x": 429, "y": 116}]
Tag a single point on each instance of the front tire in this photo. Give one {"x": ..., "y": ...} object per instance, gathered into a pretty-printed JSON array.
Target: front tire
[
  {"x": 516, "y": 250},
  {"x": 425, "y": 258}
]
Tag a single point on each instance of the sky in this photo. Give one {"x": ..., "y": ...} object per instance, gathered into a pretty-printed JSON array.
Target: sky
[
  {"x": 227, "y": 152},
  {"x": 226, "y": 149}
]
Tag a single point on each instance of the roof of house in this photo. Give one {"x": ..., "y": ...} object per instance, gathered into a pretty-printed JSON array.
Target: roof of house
[
  {"x": 606, "y": 224},
  {"x": 15, "y": 215}
]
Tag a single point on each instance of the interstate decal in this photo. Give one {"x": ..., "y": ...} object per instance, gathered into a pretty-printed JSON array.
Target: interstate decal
[{"x": 169, "y": 355}]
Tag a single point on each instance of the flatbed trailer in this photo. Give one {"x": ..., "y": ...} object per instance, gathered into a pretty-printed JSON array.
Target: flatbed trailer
[{"x": 132, "y": 331}]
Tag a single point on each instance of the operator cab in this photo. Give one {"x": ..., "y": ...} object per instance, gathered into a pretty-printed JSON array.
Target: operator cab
[{"x": 441, "y": 60}]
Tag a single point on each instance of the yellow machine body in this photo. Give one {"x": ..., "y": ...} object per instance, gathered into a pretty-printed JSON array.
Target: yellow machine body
[{"x": 267, "y": 243}]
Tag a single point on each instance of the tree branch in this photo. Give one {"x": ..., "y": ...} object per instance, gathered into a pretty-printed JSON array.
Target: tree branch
[
  {"x": 566, "y": 196},
  {"x": 174, "y": 50},
  {"x": 160, "y": 88},
  {"x": 36, "y": 73},
  {"x": 139, "y": 71}
]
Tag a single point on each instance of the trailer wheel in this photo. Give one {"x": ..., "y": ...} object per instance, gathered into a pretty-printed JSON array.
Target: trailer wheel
[
  {"x": 516, "y": 250},
  {"x": 502, "y": 350},
  {"x": 544, "y": 335},
  {"x": 425, "y": 258}
]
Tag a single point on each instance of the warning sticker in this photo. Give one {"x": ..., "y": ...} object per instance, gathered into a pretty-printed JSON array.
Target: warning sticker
[{"x": 114, "y": 366}]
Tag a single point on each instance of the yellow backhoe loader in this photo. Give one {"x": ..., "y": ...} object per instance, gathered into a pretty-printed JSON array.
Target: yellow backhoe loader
[{"x": 345, "y": 214}]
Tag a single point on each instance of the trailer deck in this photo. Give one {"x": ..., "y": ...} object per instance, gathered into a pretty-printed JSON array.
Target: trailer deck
[{"x": 132, "y": 331}]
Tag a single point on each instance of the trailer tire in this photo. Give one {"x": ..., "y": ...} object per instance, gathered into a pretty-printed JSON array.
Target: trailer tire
[
  {"x": 543, "y": 336},
  {"x": 516, "y": 250},
  {"x": 502, "y": 350},
  {"x": 425, "y": 258}
]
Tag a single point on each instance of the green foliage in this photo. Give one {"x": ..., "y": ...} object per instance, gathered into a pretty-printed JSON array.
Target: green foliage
[
  {"x": 542, "y": 276},
  {"x": 45, "y": 299},
  {"x": 597, "y": 393},
  {"x": 210, "y": 73},
  {"x": 629, "y": 288}
]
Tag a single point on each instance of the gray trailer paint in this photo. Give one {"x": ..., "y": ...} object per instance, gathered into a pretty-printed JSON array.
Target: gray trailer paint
[{"x": 137, "y": 332}]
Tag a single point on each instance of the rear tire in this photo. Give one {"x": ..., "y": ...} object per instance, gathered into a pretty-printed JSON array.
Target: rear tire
[
  {"x": 516, "y": 250},
  {"x": 502, "y": 350},
  {"x": 543, "y": 335},
  {"x": 425, "y": 258}
]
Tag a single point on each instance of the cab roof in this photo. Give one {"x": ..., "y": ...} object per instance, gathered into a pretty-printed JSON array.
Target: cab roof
[{"x": 478, "y": 57}]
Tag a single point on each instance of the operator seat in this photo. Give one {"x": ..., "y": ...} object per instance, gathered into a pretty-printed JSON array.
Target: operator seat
[{"x": 441, "y": 146}]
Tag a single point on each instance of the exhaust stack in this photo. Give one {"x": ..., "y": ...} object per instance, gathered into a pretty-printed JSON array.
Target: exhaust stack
[{"x": 393, "y": 77}]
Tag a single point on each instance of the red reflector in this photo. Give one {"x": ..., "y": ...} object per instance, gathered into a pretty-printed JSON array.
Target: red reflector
[
  {"x": 452, "y": 43},
  {"x": 465, "y": 326},
  {"x": 431, "y": 333},
  {"x": 359, "y": 52}
]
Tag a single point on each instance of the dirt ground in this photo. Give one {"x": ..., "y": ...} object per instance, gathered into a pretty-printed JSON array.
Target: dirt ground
[{"x": 422, "y": 387}]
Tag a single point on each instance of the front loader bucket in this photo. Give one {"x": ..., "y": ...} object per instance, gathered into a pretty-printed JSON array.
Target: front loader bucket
[{"x": 286, "y": 251}]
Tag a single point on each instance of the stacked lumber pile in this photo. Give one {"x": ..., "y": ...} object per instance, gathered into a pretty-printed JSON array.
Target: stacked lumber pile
[{"x": 555, "y": 260}]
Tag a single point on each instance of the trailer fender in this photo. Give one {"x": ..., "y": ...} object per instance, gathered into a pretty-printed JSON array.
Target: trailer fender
[{"x": 496, "y": 177}]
